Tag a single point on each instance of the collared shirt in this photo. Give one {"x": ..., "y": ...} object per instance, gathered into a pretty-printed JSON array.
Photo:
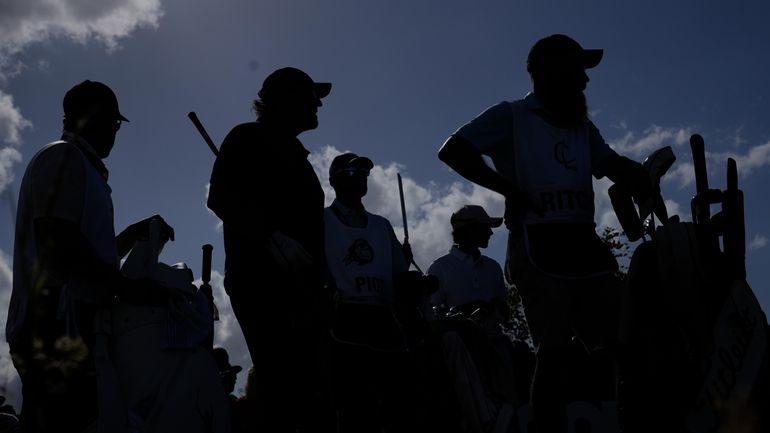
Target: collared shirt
[
  {"x": 553, "y": 165},
  {"x": 64, "y": 180},
  {"x": 463, "y": 279},
  {"x": 262, "y": 182},
  {"x": 349, "y": 216}
]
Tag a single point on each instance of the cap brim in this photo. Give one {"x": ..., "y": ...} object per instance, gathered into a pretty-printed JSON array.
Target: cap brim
[
  {"x": 322, "y": 90},
  {"x": 592, "y": 57},
  {"x": 362, "y": 162}
]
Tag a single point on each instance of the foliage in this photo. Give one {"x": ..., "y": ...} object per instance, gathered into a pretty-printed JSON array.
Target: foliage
[
  {"x": 516, "y": 328},
  {"x": 620, "y": 248}
]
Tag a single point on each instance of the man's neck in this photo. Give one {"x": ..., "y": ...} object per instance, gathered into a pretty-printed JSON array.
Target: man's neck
[
  {"x": 470, "y": 250},
  {"x": 353, "y": 203}
]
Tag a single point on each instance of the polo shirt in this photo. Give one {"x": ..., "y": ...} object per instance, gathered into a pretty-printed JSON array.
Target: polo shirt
[
  {"x": 262, "y": 182},
  {"x": 64, "y": 180},
  {"x": 463, "y": 279}
]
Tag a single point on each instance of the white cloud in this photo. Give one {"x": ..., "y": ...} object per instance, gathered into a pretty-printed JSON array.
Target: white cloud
[
  {"x": 755, "y": 157},
  {"x": 227, "y": 332},
  {"x": 24, "y": 22},
  {"x": 652, "y": 138},
  {"x": 11, "y": 120},
  {"x": 8, "y": 157},
  {"x": 759, "y": 241},
  {"x": 10, "y": 386}
]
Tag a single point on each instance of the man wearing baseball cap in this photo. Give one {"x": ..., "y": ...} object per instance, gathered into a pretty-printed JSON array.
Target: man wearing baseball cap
[
  {"x": 544, "y": 151},
  {"x": 271, "y": 203},
  {"x": 65, "y": 266},
  {"x": 363, "y": 258},
  {"x": 465, "y": 275}
]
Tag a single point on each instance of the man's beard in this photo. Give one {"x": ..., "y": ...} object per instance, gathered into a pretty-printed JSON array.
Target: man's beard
[{"x": 570, "y": 109}]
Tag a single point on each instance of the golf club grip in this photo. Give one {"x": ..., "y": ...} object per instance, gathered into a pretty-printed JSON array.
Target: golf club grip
[
  {"x": 202, "y": 131},
  {"x": 206, "y": 266},
  {"x": 403, "y": 207},
  {"x": 699, "y": 163}
]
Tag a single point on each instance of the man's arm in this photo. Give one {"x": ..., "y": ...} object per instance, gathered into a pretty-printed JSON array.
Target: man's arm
[
  {"x": 463, "y": 157},
  {"x": 63, "y": 249},
  {"x": 629, "y": 173}
]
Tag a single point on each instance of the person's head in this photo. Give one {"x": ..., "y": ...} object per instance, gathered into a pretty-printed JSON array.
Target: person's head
[
  {"x": 227, "y": 373},
  {"x": 91, "y": 111},
  {"x": 557, "y": 65},
  {"x": 290, "y": 97},
  {"x": 348, "y": 175},
  {"x": 472, "y": 227}
]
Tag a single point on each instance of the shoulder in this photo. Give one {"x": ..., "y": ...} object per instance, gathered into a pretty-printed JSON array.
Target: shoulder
[
  {"x": 440, "y": 263},
  {"x": 490, "y": 262},
  {"x": 57, "y": 156},
  {"x": 244, "y": 132},
  {"x": 498, "y": 112}
]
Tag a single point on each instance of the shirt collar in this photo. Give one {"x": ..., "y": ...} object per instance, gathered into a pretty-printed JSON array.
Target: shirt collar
[
  {"x": 534, "y": 104},
  {"x": 88, "y": 150},
  {"x": 350, "y": 216},
  {"x": 461, "y": 256}
]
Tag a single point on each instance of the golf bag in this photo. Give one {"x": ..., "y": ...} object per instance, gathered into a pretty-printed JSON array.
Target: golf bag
[{"x": 694, "y": 355}]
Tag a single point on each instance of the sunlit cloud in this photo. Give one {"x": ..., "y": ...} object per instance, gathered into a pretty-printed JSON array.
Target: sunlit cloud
[
  {"x": 24, "y": 23},
  {"x": 759, "y": 241}
]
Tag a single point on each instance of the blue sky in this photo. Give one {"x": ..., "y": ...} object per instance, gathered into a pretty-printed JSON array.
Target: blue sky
[{"x": 405, "y": 73}]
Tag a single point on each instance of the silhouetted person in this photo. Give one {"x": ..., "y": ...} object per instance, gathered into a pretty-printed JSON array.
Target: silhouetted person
[
  {"x": 270, "y": 201},
  {"x": 65, "y": 264},
  {"x": 544, "y": 150},
  {"x": 465, "y": 275},
  {"x": 363, "y": 257},
  {"x": 228, "y": 373}
]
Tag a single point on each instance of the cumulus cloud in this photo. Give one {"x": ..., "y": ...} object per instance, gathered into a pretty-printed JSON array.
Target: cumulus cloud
[
  {"x": 23, "y": 23},
  {"x": 8, "y": 157},
  {"x": 11, "y": 120},
  {"x": 755, "y": 157},
  {"x": 759, "y": 241},
  {"x": 10, "y": 386},
  {"x": 651, "y": 139},
  {"x": 227, "y": 332}
]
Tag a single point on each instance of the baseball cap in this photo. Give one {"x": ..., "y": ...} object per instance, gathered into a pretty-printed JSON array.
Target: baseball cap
[
  {"x": 89, "y": 96},
  {"x": 349, "y": 160},
  {"x": 473, "y": 214},
  {"x": 290, "y": 83},
  {"x": 556, "y": 47},
  {"x": 223, "y": 361}
]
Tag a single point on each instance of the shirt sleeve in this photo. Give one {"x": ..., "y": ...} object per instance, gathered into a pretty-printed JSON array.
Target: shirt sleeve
[
  {"x": 490, "y": 129},
  {"x": 501, "y": 289},
  {"x": 600, "y": 150},
  {"x": 58, "y": 183},
  {"x": 439, "y": 297}
]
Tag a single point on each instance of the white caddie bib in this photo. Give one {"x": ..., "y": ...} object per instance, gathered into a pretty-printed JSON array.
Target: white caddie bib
[
  {"x": 554, "y": 166},
  {"x": 360, "y": 260}
]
